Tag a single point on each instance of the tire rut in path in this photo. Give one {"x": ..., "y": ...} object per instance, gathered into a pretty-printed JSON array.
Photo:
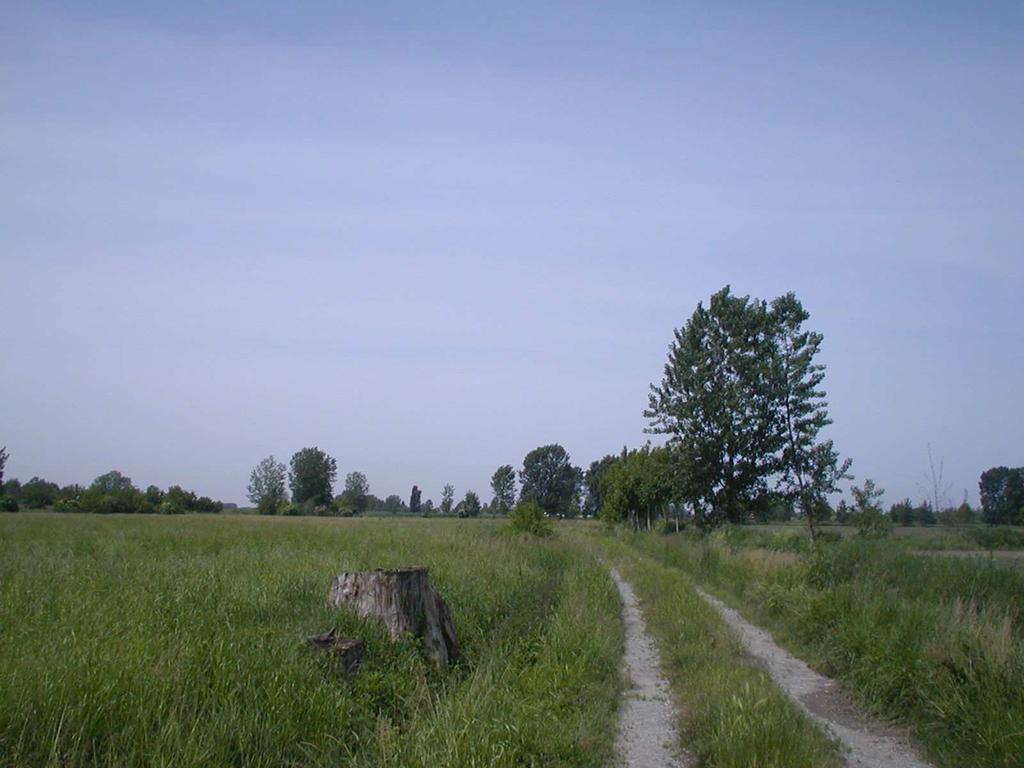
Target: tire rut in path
[
  {"x": 647, "y": 735},
  {"x": 867, "y": 744}
]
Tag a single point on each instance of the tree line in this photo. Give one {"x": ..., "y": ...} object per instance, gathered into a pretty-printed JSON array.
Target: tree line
[
  {"x": 110, "y": 493},
  {"x": 741, "y": 406}
]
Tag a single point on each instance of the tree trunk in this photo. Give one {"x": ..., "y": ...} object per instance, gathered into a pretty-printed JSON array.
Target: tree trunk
[{"x": 404, "y": 600}]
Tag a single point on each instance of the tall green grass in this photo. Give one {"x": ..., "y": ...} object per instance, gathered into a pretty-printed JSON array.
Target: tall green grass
[
  {"x": 180, "y": 641},
  {"x": 732, "y": 714},
  {"x": 938, "y": 643}
]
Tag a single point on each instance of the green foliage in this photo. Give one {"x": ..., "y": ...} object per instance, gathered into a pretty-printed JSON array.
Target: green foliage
[
  {"x": 638, "y": 486},
  {"x": 113, "y": 493},
  {"x": 957, "y": 516},
  {"x": 996, "y": 537},
  {"x": 741, "y": 402},
  {"x": 8, "y": 504},
  {"x": 154, "y": 495},
  {"x": 528, "y": 517},
  {"x": 180, "y": 643},
  {"x": 594, "y": 484},
  {"x": 809, "y": 470},
  {"x": 447, "y": 499},
  {"x": 267, "y": 486},
  {"x": 549, "y": 479},
  {"x": 170, "y": 507},
  {"x": 4, "y": 456},
  {"x": 356, "y": 496},
  {"x": 868, "y": 517},
  {"x": 67, "y": 505},
  {"x": 469, "y": 506},
  {"x": 1002, "y": 496},
  {"x": 712, "y": 402},
  {"x": 38, "y": 493},
  {"x": 12, "y": 488},
  {"x": 312, "y": 475},
  {"x": 291, "y": 509},
  {"x": 181, "y": 499},
  {"x": 503, "y": 484}
]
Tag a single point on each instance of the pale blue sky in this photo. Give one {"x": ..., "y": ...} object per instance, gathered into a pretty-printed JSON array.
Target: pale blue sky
[{"x": 428, "y": 237}]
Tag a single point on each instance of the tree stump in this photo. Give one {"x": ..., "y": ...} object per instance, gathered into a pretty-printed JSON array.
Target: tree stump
[
  {"x": 350, "y": 651},
  {"x": 404, "y": 600}
]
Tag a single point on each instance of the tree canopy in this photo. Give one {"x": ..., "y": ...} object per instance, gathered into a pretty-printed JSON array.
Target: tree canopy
[
  {"x": 1002, "y": 496},
  {"x": 311, "y": 476},
  {"x": 503, "y": 484},
  {"x": 741, "y": 403},
  {"x": 549, "y": 479},
  {"x": 267, "y": 486}
]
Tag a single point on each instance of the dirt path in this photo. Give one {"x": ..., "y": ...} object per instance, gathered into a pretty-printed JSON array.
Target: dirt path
[
  {"x": 868, "y": 744},
  {"x": 647, "y": 733}
]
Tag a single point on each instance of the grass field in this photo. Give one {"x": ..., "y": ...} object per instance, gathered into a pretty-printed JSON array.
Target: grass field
[
  {"x": 168, "y": 641},
  {"x": 936, "y": 642},
  {"x": 130, "y": 641}
]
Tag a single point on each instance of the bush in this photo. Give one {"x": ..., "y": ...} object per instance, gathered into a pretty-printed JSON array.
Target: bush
[
  {"x": 997, "y": 537},
  {"x": 8, "y": 504},
  {"x": 270, "y": 505},
  {"x": 528, "y": 517},
  {"x": 67, "y": 505},
  {"x": 168, "y": 507},
  {"x": 206, "y": 504},
  {"x": 872, "y": 524}
]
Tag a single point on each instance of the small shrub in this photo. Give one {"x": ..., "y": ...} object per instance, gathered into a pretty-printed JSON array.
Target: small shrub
[
  {"x": 997, "y": 537},
  {"x": 170, "y": 508},
  {"x": 8, "y": 504},
  {"x": 67, "y": 505},
  {"x": 528, "y": 517},
  {"x": 270, "y": 505},
  {"x": 871, "y": 521}
]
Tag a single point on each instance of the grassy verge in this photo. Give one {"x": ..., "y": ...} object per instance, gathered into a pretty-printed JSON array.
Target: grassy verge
[
  {"x": 732, "y": 713},
  {"x": 179, "y": 641},
  {"x": 937, "y": 643}
]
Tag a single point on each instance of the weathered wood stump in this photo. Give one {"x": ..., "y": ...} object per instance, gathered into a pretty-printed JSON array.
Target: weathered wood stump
[
  {"x": 404, "y": 600},
  {"x": 350, "y": 651}
]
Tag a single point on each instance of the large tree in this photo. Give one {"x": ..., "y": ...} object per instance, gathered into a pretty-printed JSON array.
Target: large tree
[
  {"x": 549, "y": 478},
  {"x": 503, "y": 483},
  {"x": 1002, "y": 496},
  {"x": 715, "y": 402},
  {"x": 469, "y": 506},
  {"x": 357, "y": 492},
  {"x": 267, "y": 486},
  {"x": 809, "y": 468},
  {"x": 594, "y": 485},
  {"x": 311, "y": 476},
  {"x": 741, "y": 402}
]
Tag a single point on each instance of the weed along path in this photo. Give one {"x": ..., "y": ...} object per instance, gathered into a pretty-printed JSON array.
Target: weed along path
[
  {"x": 867, "y": 744},
  {"x": 647, "y": 735}
]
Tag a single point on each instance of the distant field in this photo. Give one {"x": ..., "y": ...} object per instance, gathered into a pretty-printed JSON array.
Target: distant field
[{"x": 130, "y": 641}]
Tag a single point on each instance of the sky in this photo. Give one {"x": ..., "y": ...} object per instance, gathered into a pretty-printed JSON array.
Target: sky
[{"x": 428, "y": 237}]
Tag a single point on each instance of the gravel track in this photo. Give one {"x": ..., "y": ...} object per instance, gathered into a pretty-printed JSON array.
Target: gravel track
[
  {"x": 868, "y": 744},
  {"x": 647, "y": 732}
]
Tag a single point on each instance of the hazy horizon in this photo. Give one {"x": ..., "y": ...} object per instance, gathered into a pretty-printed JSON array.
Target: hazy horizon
[{"x": 431, "y": 238}]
